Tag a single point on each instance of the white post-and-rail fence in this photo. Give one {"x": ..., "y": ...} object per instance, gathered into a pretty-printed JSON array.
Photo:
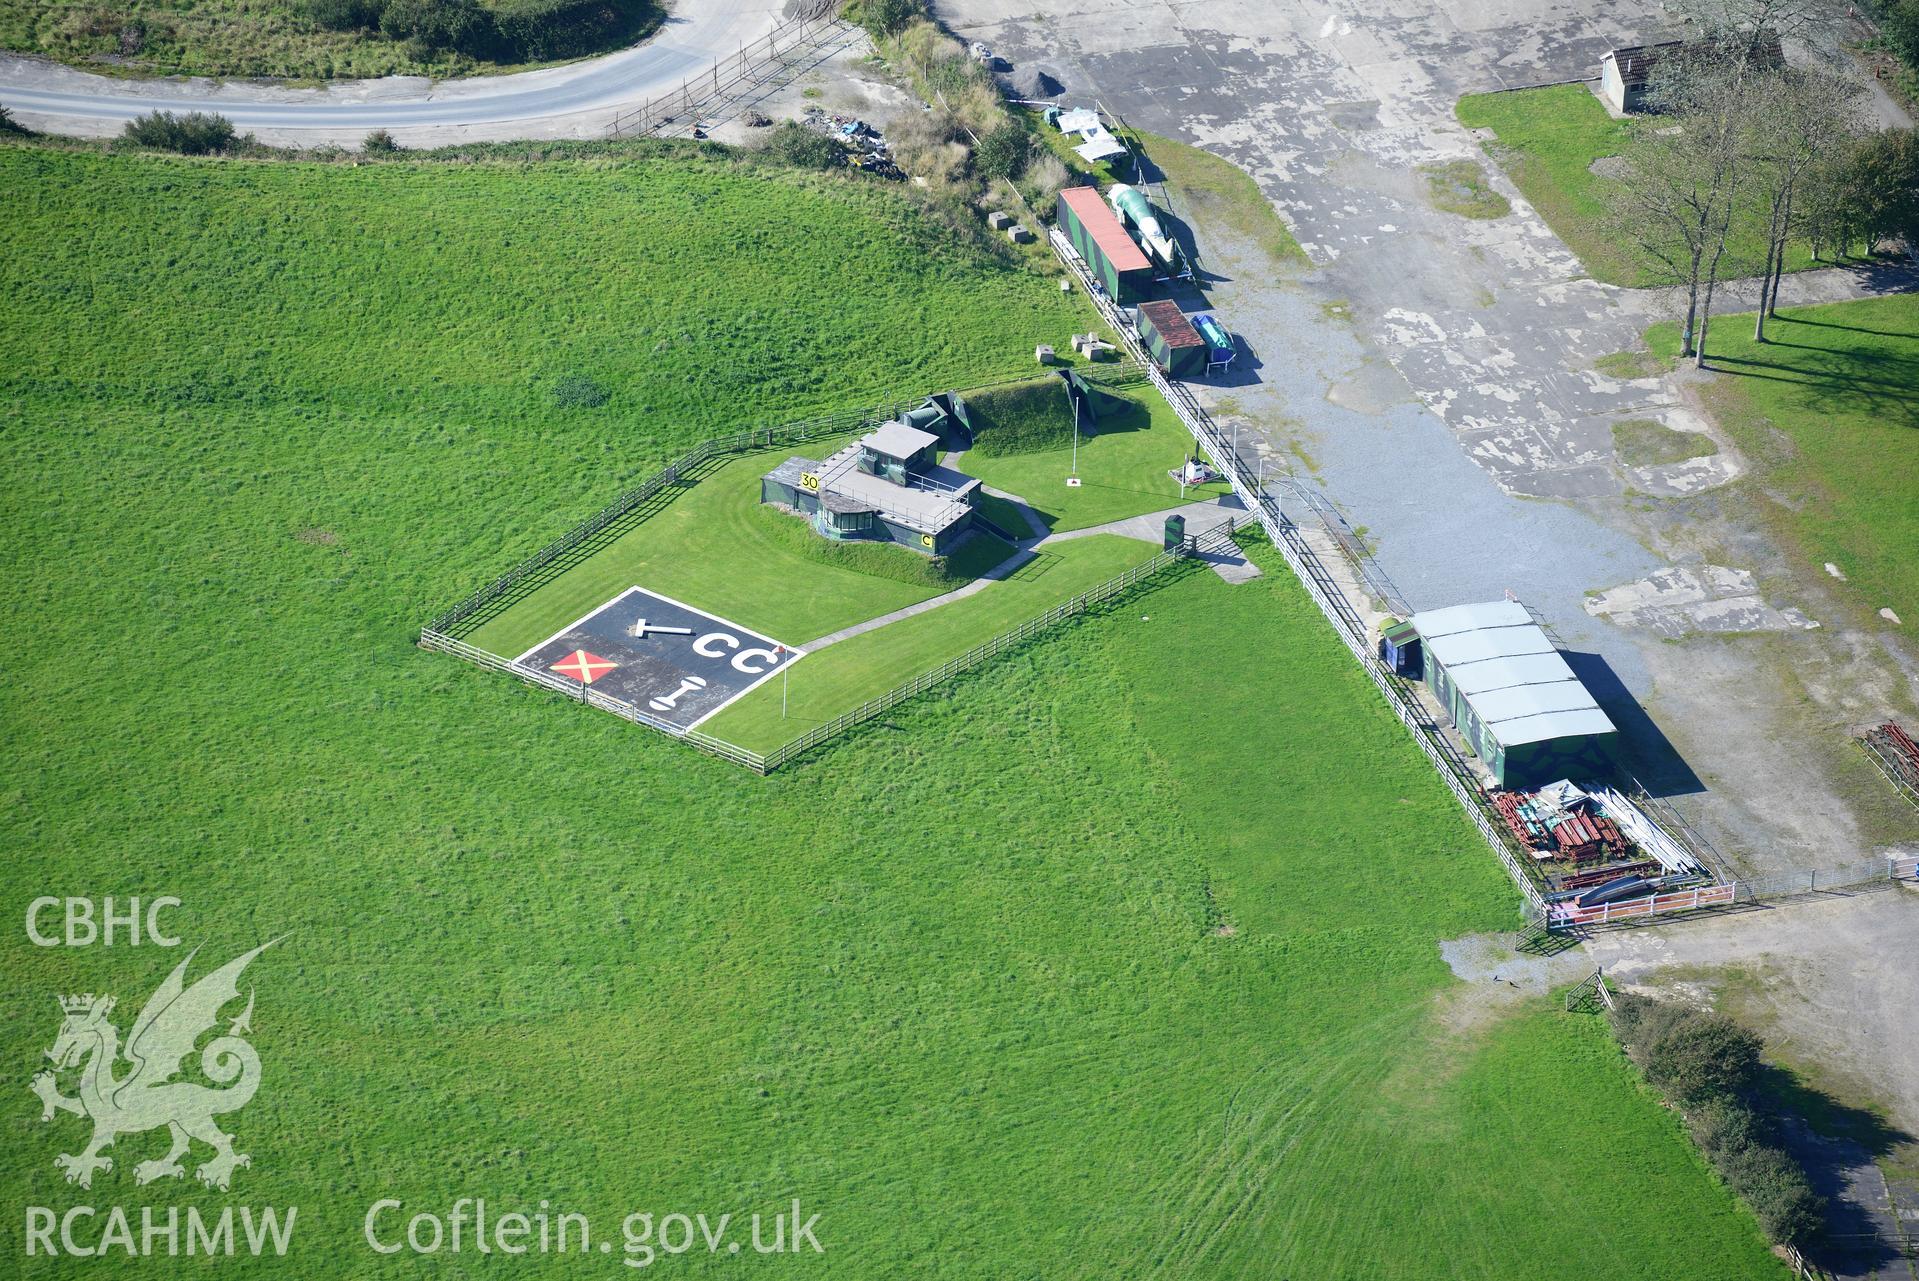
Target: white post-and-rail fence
[
  {"x": 1313, "y": 575},
  {"x": 1722, "y": 894},
  {"x": 746, "y": 70},
  {"x": 1219, "y": 539}
]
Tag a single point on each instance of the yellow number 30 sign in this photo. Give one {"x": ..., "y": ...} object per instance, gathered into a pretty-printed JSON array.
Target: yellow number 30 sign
[{"x": 810, "y": 480}]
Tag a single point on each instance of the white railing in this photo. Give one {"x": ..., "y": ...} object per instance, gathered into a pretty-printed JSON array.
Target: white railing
[{"x": 1723, "y": 894}]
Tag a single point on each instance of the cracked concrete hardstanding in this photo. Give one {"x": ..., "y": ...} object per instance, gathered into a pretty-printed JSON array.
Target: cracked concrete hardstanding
[{"x": 1462, "y": 392}]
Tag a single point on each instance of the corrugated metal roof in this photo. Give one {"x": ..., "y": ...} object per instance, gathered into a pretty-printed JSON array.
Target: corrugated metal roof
[
  {"x": 1636, "y": 62},
  {"x": 1468, "y": 618},
  {"x": 1171, "y": 323},
  {"x": 1495, "y": 642},
  {"x": 1504, "y": 673},
  {"x": 1497, "y": 705},
  {"x": 1104, "y": 228},
  {"x": 1510, "y": 673},
  {"x": 1551, "y": 725}
]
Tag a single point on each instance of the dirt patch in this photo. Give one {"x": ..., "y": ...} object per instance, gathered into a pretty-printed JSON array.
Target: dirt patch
[
  {"x": 1497, "y": 978},
  {"x": 1613, "y": 167},
  {"x": 1461, "y": 187},
  {"x": 1642, "y": 442},
  {"x": 319, "y": 537}
]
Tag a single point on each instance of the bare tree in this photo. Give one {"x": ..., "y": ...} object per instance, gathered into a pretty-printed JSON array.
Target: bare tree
[
  {"x": 1746, "y": 31},
  {"x": 1801, "y": 119},
  {"x": 1681, "y": 183}
]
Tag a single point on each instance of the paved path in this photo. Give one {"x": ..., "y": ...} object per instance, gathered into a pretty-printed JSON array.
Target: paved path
[
  {"x": 571, "y": 101},
  {"x": 1005, "y": 569},
  {"x": 1147, "y": 528}
]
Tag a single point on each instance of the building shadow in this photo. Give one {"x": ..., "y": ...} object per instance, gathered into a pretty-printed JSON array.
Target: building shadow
[{"x": 1645, "y": 750}]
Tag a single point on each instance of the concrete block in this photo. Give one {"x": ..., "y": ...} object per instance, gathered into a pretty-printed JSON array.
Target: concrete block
[{"x": 999, "y": 221}]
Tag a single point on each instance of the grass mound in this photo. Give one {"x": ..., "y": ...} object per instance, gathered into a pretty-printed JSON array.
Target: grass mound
[
  {"x": 322, "y": 39},
  {"x": 1024, "y": 418},
  {"x": 968, "y": 561}
]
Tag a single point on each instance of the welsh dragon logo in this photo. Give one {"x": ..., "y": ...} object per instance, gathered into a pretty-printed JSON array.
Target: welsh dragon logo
[{"x": 147, "y": 1096}]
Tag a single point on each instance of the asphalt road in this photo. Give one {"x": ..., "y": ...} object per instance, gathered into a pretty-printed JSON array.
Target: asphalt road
[{"x": 574, "y": 100}]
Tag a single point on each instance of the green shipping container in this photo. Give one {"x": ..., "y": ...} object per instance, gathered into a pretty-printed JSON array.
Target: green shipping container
[{"x": 1116, "y": 262}]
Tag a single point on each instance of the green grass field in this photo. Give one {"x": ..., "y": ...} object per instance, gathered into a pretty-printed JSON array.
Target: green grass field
[
  {"x": 834, "y": 680},
  {"x": 1123, "y": 467},
  {"x": 1116, "y": 958},
  {"x": 245, "y": 38},
  {"x": 1547, "y": 142},
  {"x": 1829, "y": 410},
  {"x": 714, "y": 547}
]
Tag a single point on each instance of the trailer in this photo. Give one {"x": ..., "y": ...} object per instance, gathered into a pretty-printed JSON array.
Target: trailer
[
  {"x": 1136, "y": 212},
  {"x": 1221, "y": 352}
]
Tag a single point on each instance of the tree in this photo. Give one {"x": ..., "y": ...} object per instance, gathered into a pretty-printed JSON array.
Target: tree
[
  {"x": 1804, "y": 117},
  {"x": 796, "y": 145},
  {"x": 1701, "y": 1057},
  {"x": 1900, "y": 28},
  {"x": 1003, "y": 152},
  {"x": 883, "y": 18},
  {"x": 1885, "y": 183},
  {"x": 380, "y": 142},
  {"x": 1678, "y": 193},
  {"x": 439, "y": 24},
  {"x": 193, "y": 134}
]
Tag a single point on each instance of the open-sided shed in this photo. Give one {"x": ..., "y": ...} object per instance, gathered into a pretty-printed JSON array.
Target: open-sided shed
[
  {"x": 1176, "y": 346},
  {"x": 1116, "y": 261}
]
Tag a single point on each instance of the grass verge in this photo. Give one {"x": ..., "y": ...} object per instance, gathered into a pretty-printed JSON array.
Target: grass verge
[
  {"x": 1212, "y": 189},
  {"x": 281, "y": 38},
  {"x": 1829, "y": 409},
  {"x": 1548, "y": 140}
]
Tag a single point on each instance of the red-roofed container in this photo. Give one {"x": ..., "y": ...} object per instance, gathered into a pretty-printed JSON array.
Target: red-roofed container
[{"x": 1117, "y": 263}]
